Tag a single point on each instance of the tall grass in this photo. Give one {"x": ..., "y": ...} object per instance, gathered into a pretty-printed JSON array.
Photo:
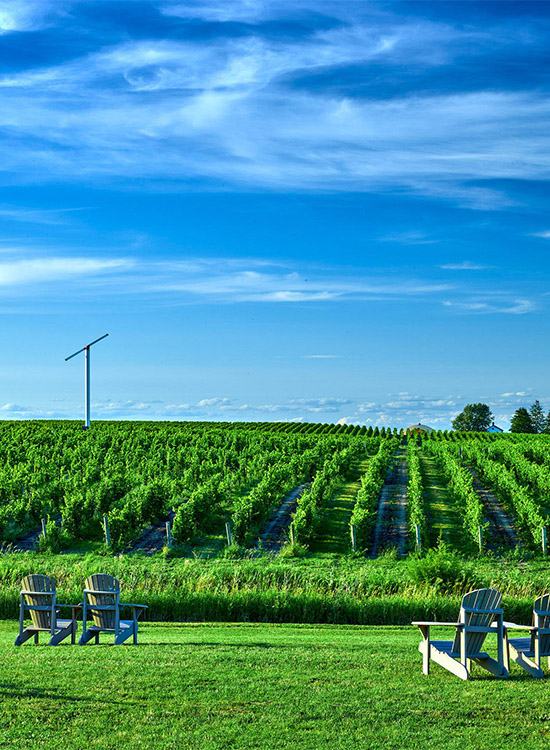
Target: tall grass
[{"x": 267, "y": 589}]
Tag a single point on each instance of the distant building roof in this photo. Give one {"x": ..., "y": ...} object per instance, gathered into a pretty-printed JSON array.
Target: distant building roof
[
  {"x": 494, "y": 428},
  {"x": 419, "y": 428}
]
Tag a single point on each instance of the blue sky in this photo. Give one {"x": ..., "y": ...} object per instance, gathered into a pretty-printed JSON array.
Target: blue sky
[{"x": 306, "y": 209}]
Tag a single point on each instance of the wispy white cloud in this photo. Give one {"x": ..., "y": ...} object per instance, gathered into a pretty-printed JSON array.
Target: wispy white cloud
[
  {"x": 51, "y": 216},
  {"x": 249, "y": 11},
  {"x": 29, "y": 271},
  {"x": 223, "y": 113},
  {"x": 321, "y": 356},
  {"x": 398, "y": 410},
  {"x": 479, "y": 306},
  {"x": 19, "y": 411},
  {"x": 218, "y": 408},
  {"x": 28, "y": 15},
  {"x": 15, "y": 408},
  {"x": 216, "y": 401},
  {"x": 465, "y": 265},
  {"x": 544, "y": 235},
  {"x": 255, "y": 286},
  {"x": 409, "y": 238},
  {"x": 195, "y": 280}
]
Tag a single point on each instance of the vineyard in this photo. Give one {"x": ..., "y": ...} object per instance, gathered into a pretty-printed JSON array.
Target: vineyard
[{"x": 212, "y": 489}]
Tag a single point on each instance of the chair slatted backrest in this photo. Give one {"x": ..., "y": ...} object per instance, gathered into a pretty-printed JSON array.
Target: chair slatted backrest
[
  {"x": 478, "y": 608},
  {"x": 103, "y": 618},
  {"x": 40, "y": 584},
  {"x": 541, "y": 618}
]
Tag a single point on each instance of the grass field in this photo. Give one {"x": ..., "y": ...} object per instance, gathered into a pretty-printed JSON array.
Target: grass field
[
  {"x": 445, "y": 518},
  {"x": 259, "y": 686},
  {"x": 334, "y": 533}
]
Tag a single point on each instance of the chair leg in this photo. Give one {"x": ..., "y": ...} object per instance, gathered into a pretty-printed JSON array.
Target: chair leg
[
  {"x": 449, "y": 663},
  {"x": 36, "y": 637},
  {"x": 24, "y": 636},
  {"x": 63, "y": 633},
  {"x": 424, "y": 649},
  {"x": 85, "y": 637},
  {"x": 527, "y": 664},
  {"x": 123, "y": 636},
  {"x": 97, "y": 639},
  {"x": 506, "y": 655},
  {"x": 492, "y": 666}
]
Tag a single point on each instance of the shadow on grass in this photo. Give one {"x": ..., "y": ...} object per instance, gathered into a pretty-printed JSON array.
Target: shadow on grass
[
  {"x": 8, "y": 690},
  {"x": 237, "y": 644}
]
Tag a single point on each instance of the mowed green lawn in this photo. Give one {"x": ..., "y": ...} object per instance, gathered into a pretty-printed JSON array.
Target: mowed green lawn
[{"x": 259, "y": 686}]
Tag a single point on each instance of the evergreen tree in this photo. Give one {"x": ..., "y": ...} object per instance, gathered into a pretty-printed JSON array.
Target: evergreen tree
[
  {"x": 537, "y": 417},
  {"x": 546, "y": 428},
  {"x": 521, "y": 421},
  {"x": 474, "y": 418}
]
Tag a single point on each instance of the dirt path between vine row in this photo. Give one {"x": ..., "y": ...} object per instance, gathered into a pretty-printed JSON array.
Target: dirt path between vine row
[
  {"x": 273, "y": 534},
  {"x": 153, "y": 538},
  {"x": 391, "y": 525},
  {"x": 501, "y": 526},
  {"x": 27, "y": 543}
]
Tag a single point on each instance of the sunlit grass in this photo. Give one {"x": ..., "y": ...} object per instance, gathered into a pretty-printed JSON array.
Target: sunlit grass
[
  {"x": 207, "y": 687},
  {"x": 445, "y": 519},
  {"x": 334, "y": 535}
]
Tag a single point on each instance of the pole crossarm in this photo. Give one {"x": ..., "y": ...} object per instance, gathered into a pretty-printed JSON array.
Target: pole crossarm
[{"x": 86, "y": 347}]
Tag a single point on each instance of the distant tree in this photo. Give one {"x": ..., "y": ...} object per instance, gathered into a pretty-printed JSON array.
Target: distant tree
[
  {"x": 547, "y": 424},
  {"x": 538, "y": 419},
  {"x": 521, "y": 421},
  {"x": 474, "y": 418}
]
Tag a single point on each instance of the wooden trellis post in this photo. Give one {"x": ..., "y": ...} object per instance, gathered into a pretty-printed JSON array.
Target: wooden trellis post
[
  {"x": 43, "y": 522},
  {"x": 228, "y": 534},
  {"x": 353, "y": 537},
  {"x": 480, "y": 538},
  {"x": 169, "y": 537},
  {"x": 418, "y": 537},
  {"x": 543, "y": 539},
  {"x": 106, "y": 530}
]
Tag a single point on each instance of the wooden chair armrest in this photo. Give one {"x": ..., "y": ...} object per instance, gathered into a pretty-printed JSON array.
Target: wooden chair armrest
[
  {"x": 420, "y": 623},
  {"x": 135, "y": 606},
  {"x": 97, "y": 591},
  {"x": 70, "y": 606},
  {"x": 515, "y": 626}
]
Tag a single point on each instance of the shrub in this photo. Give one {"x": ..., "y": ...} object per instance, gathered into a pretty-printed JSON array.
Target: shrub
[
  {"x": 56, "y": 538},
  {"x": 441, "y": 569}
]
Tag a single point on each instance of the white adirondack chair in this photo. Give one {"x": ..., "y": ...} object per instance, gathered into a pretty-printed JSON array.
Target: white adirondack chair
[
  {"x": 102, "y": 601},
  {"x": 528, "y": 651},
  {"x": 38, "y": 597},
  {"x": 480, "y": 614}
]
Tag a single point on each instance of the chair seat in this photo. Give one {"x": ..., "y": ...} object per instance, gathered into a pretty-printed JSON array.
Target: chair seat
[
  {"x": 446, "y": 647},
  {"x": 59, "y": 625},
  {"x": 123, "y": 625},
  {"x": 522, "y": 645},
  {"x": 63, "y": 624}
]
